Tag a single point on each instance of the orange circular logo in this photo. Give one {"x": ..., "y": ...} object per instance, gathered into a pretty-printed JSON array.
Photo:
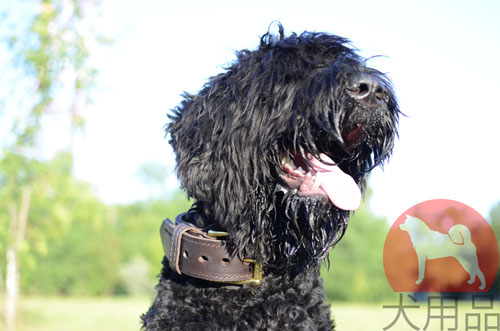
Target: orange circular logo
[{"x": 440, "y": 246}]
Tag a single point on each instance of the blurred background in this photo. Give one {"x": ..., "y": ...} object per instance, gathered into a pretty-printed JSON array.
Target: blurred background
[{"x": 86, "y": 174}]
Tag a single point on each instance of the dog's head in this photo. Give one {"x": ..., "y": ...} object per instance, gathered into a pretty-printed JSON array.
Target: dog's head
[
  {"x": 414, "y": 225},
  {"x": 276, "y": 149}
]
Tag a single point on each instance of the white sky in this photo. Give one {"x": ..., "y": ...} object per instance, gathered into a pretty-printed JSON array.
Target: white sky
[{"x": 441, "y": 55}]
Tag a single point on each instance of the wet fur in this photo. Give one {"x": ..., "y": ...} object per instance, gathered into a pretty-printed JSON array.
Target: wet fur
[{"x": 289, "y": 95}]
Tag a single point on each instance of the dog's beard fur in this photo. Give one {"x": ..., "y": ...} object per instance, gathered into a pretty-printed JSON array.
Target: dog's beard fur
[
  {"x": 307, "y": 231},
  {"x": 230, "y": 138}
]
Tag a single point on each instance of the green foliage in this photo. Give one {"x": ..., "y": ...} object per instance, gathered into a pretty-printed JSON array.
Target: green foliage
[
  {"x": 70, "y": 246},
  {"x": 94, "y": 249},
  {"x": 70, "y": 242},
  {"x": 138, "y": 227},
  {"x": 51, "y": 51},
  {"x": 135, "y": 278},
  {"x": 74, "y": 249},
  {"x": 494, "y": 219},
  {"x": 356, "y": 270},
  {"x": 44, "y": 210}
]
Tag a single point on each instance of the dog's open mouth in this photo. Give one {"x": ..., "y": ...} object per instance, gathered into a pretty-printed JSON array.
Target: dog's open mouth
[
  {"x": 351, "y": 136},
  {"x": 307, "y": 175}
]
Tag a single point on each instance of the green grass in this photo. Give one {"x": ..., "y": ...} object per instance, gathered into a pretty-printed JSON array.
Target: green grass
[
  {"x": 122, "y": 314},
  {"x": 368, "y": 317},
  {"x": 75, "y": 314}
]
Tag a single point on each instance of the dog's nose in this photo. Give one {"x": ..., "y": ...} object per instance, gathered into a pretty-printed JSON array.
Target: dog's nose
[{"x": 366, "y": 89}]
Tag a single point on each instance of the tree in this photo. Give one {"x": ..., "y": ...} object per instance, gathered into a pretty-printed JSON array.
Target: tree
[
  {"x": 75, "y": 249},
  {"x": 51, "y": 56}
]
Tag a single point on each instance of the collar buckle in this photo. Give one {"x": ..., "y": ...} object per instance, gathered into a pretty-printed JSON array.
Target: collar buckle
[{"x": 204, "y": 255}]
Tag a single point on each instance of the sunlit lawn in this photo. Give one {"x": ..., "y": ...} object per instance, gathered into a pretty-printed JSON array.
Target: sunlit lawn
[
  {"x": 122, "y": 314},
  {"x": 71, "y": 314}
]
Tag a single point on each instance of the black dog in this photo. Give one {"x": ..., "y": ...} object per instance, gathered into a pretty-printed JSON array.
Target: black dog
[{"x": 275, "y": 151}]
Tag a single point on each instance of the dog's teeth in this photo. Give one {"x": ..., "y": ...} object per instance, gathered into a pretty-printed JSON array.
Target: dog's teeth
[
  {"x": 295, "y": 190},
  {"x": 285, "y": 161}
]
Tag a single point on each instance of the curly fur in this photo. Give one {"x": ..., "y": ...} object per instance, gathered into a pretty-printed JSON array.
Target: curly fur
[{"x": 288, "y": 97}]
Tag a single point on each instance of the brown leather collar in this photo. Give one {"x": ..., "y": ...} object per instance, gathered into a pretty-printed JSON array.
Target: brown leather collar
[{"x": 198, "y": 254}]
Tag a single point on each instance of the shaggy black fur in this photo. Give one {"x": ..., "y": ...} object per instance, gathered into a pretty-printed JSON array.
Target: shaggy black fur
[{"x": 294, "y": 95}]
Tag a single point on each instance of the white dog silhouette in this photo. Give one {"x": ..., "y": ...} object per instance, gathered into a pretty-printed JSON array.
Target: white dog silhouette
[{"x": 429, "y": 244}]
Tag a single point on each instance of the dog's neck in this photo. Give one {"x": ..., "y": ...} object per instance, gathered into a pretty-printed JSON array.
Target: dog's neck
[
  {"x": 199, "y": 253},
  {"x": 290, "y": 266}
]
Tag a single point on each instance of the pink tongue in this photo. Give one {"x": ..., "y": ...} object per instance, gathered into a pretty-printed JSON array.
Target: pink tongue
[{"x": 339, "y": 186}]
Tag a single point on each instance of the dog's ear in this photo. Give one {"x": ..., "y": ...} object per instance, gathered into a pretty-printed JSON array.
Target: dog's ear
[
  {"x": 188, "y": 138},
  {"x": 217, "y": 164},
  {"x": 193, "y": 137}
]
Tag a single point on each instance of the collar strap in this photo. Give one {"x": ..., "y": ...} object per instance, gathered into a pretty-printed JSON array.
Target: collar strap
[{"x": 198, "y": 254}]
